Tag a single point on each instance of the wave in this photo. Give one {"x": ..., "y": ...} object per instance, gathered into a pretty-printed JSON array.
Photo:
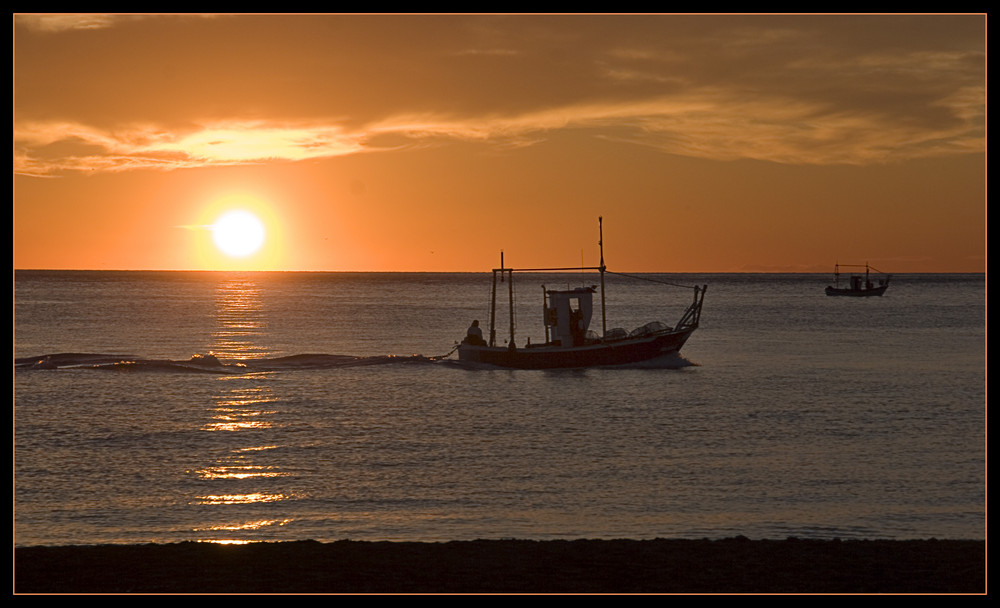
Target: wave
[
  {"x": 208, "y": 363},
  {"x": 211, "y": 364}
]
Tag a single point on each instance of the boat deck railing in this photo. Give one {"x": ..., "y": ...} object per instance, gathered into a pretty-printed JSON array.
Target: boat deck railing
[{"x": 692, "y": 316}]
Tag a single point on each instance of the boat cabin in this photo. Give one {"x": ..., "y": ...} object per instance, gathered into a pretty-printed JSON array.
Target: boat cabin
[
  {"x": 567, "y": 315},
  {"x": 858, "y": 283}
]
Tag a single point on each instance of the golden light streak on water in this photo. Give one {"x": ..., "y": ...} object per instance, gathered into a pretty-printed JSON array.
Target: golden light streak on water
[
  {"x": 239, "y": 472},
  {"x": 240, "y": 320},
  {"x": 228, "y": 541},
  {"x": 241, "y": 499},
  {"x": 249, "y": 525},
  {"x": 237, "y": 420}
]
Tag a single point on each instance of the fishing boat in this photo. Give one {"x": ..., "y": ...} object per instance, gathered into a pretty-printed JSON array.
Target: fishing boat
[
  {"x": 569, "y": 341},
  {"x": 858, "y": 286}
]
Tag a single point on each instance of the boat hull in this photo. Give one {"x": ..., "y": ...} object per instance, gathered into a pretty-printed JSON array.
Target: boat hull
[
  {"x": 632, "y": 350},
  {"x": 857, "y": 293}
]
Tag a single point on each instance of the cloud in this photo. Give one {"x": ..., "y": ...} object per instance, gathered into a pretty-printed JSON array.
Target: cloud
[
  {"x": 49, "y": 148},
  {"x": 54, "y": 23},
  {"x": 793, "y": 90},
  {"x": 711, "y": 123}
]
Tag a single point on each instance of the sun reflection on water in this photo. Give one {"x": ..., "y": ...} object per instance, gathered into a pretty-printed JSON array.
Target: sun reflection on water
[
  {"x": 241, "y": 499},
  {"x": 227, "y": 541},
  {"x": 241, "y": 319},
  {"x": 244, "y": 418},
  {"x": 239, "y": 472},
  {"x": 242, "y": 410},
  {"x": 249, "y": 525}
]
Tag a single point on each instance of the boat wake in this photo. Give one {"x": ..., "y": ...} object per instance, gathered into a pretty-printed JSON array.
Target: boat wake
[
  {"x": 672, "y": 360},
  {"x": 209, "y": 363}
]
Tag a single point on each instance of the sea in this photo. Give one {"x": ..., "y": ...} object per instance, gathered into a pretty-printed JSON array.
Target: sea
[{"x": 160, "y": 407}]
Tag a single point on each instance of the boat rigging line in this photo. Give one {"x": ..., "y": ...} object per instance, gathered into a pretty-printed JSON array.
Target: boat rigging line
[{"x": 641, "y": 278}]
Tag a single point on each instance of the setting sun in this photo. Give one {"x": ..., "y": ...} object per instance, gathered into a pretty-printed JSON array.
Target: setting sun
[
  {"x": 238, "y": 233},
  {"x": 237, "y": 230}
]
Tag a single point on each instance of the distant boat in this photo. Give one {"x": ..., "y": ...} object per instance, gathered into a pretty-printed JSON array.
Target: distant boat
[
  {"x": 857, "y": 285},
  {"x": 569, "y": 342}
]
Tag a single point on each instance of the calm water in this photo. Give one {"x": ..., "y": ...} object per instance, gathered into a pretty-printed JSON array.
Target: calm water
[{"x": 790, "y": 413}]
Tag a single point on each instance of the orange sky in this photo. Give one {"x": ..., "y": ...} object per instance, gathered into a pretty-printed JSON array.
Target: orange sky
[{"x": 430, "y": 143}]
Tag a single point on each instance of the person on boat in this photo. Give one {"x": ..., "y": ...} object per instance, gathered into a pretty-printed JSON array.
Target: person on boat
[
  {"x": 576, "y": 327},
  {"x": 475, "y": 335}
]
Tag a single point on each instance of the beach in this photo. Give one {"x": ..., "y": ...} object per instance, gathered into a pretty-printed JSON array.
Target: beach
[{"x": 733, "y": 565}]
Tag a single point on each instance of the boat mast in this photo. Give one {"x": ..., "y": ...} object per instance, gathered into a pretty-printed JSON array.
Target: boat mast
[
  {"x": 545, "y": 312},
  {"x": 600, "y": 242},
  {"x": 510, "y": 289},
  {"x": 493, "y": 303}
]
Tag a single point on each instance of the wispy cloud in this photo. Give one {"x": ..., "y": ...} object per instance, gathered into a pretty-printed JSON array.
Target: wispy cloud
[
  {"x": 61, "y": 23},
  {"x": 795, "y": 91},
  {"x": 710, "y": 123},
  {"x": 48, "y": 148}
]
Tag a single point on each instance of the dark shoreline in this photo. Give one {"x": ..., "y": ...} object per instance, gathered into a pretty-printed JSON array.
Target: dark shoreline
[{"x": 734, "y": 565}]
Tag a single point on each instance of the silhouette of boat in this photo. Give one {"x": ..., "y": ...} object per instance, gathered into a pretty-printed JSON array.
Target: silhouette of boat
[
  {"x": 569, "y": 342},
  {"x": 858, "y": 286}
]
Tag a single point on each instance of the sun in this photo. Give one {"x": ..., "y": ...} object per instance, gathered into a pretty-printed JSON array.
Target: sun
[{"x": 238, "y": 233}]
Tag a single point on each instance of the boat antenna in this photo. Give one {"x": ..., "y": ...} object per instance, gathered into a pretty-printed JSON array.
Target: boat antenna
[{"x": 600, "y": 243}]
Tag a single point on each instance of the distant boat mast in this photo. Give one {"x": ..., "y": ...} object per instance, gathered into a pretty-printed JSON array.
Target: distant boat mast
[{"x": 600, "y": 243}]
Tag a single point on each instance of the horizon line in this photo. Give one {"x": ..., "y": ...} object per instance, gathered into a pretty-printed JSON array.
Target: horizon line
[{"x": 554, "y": 271}]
